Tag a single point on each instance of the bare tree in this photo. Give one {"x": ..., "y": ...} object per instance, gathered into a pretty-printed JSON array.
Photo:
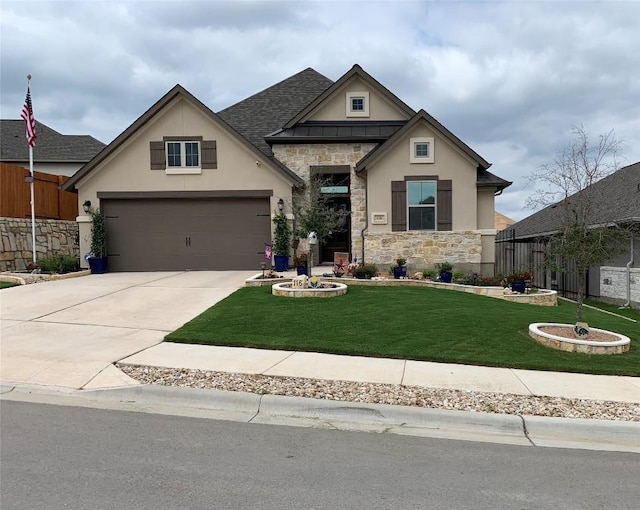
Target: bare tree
[{"x": 568, "y": 185}]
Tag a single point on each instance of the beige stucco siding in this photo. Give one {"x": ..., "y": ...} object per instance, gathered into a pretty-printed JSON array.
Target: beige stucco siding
[
  {"x": 128, "y": 168},
  {"x": 380, "y": 108},
  {"x": 449, "y": 163},
  {"x": 486, "y": 209}
]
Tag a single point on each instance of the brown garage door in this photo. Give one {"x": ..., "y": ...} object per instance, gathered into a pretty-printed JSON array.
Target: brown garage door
[{"x": 176, "y": 234}]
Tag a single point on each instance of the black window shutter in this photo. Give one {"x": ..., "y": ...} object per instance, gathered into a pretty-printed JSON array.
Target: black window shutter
[
  {"x": 158, "y": 160},
  {"x": 445, "y": 205},
  {"x": 209, "y": 154},
  {"x": 398, "y": 206}
]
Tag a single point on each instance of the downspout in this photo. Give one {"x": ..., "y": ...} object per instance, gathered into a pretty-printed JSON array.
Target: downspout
[{"x": 629, "y": 264}]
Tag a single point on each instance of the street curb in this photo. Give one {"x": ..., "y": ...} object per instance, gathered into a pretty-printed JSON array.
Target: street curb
[
  {"x": 393, "y": 419},
  {"x": 538, "y": 431},
  {"x": 580, "y": 433}
]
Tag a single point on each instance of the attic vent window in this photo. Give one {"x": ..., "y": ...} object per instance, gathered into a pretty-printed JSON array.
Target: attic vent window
[
  {"x": 357, "y": 104},
  {"x": 421, "y": 150}
]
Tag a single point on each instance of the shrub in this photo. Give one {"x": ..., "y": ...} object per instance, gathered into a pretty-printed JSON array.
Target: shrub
[
  {"x": 98, "y": 234},
  {"x": 519, "y": 277},
  {"x": 491, "y": 281},
  {"x": 469, "y": 279},
  {"x": 432, "y": 274},
  {"x": 366, "y": 271},
  {"x": 401, "y": 261},
  {"x": 300, "y": 260},
  {"x": 444, "y": 267},
  {"x": 59, "y": 264},
  {"x": 458, "y": 276}
]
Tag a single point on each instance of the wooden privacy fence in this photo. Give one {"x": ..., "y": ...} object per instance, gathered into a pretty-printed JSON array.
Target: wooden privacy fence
[{"x": 50, "y": 201}]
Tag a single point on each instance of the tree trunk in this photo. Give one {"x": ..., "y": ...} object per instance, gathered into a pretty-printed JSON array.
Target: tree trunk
[{"x": 582, "y": 283}]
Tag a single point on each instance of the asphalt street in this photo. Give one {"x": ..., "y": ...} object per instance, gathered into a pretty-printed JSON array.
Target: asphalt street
[{"x": 55, "y": 457}]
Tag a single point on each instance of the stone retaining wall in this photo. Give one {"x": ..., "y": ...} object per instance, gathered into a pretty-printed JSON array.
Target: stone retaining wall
[
  {"x": 52, "y": 237},
  {"x": 543, "y": 297}
]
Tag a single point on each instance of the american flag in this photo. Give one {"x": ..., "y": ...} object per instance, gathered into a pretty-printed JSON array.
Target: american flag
[{"x": 27, "y": 115}]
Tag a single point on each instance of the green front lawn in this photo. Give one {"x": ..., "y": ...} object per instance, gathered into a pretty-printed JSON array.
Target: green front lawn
[
  {"x": 6, "y": 285},
  {"x": 407, "y": 323}
]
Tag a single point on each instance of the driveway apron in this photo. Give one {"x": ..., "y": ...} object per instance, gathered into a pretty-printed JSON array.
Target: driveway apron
[{"x": 69, "y": 332}]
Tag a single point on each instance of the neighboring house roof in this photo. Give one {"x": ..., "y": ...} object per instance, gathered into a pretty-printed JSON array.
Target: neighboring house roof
[
  {"x": 337, "y": 131},
  {"x": 267, "y": 111},
  {"x": 51, "y": 146},
  {"x": 501, "y": 221},
  {"x": 356, "y": 70},
  {"x": 622, "y": 204},
  {"x": 146, "y": 117}
]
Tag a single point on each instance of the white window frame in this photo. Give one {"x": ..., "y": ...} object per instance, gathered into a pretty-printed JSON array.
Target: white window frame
[
  {"x": 434, "y": 206},
  {"x": 421, "y": 140},
  {"x": 365, "y": 103},
  {"x": 183, "y": 168}
]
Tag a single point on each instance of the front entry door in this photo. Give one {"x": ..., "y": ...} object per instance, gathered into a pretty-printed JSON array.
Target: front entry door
[{"x": 338, "y": 241}]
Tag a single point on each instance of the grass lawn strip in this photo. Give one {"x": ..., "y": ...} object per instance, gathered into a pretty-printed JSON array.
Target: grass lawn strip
[{"x": 406, "y": 323}]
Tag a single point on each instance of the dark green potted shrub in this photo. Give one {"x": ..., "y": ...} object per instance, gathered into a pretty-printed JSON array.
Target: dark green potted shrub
[
  {"x": 445, "y": 270},
  {"x": 300, "y": 263},
  {"x": 400, "y": 270},
  {"x": 98, "y": 258},
  {"x": 281, "y": 242}
]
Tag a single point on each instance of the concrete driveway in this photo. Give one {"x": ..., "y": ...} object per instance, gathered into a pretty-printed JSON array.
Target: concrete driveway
[{"x": 69, "y": 332}]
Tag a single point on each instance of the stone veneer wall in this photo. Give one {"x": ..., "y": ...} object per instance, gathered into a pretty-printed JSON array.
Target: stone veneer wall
[
  {"x": 52, "y": 237},
  {"x": 425, "y": 249},
  {"x": 300, "y": 157},
  {"x": 613, "y": 284}
]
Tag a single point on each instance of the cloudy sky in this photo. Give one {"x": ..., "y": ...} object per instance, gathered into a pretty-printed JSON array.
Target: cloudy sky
[{"x": 510, "y": 79}]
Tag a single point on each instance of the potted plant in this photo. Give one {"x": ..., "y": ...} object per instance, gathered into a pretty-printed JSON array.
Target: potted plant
[
  {"x": 98, "y": 257},
  {"x": 281, "y": 241},
  {"x": 518, "y": 281},
  {"x": 300, "y": 263},
  {"x": 400, "y": 270},
  {"x": 445, "y": 270}
]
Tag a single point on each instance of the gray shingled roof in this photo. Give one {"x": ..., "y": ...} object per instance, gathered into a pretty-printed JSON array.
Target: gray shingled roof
[
  {"x": 622, "y": 204},
  {"x": 486, "y": 179},
  {"x": 269, "y": 110},
  {"x": 51, "y": 146}
]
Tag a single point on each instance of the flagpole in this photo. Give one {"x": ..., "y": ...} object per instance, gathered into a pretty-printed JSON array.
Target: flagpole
[{"x": 31, "y": 185}]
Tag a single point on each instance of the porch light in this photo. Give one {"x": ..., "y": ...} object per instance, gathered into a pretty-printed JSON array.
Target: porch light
[
  {"x": 86, "y": 206},
  {"x": 280, "y": 205}
]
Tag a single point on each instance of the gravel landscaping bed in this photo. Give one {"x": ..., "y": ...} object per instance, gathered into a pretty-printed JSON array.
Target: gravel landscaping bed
[{"x": 394, "y": 394}]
